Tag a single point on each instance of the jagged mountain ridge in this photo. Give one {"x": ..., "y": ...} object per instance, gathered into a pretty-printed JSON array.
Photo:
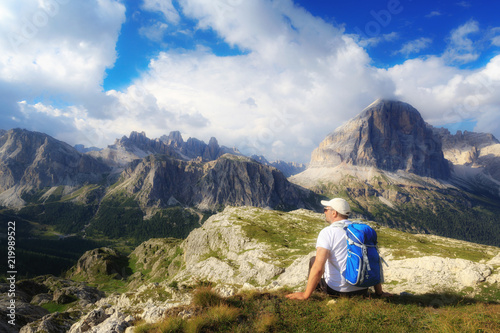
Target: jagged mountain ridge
[
  {"x": 138, "y": 145},
  {"x": 229, "y": 180},
  {"x": 75, "y": 193},
  {"x": 194, "y": 148},
  {"x": 134, "y": 147}
]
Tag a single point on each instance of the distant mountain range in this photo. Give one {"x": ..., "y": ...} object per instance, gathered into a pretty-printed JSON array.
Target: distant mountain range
[{"x": 387, "y": 161}]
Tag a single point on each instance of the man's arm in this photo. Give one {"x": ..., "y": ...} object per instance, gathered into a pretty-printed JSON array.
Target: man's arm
[{"x": 314, "y": 275}]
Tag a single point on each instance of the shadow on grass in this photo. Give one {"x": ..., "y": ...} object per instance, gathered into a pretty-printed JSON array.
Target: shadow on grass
[{"x": 436, "y": 300}]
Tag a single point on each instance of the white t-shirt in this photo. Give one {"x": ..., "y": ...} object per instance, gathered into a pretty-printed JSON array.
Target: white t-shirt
[{"x": 334, "y": 240}]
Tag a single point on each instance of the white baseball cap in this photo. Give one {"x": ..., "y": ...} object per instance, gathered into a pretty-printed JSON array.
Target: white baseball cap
[{"x": 339, "y": 205}]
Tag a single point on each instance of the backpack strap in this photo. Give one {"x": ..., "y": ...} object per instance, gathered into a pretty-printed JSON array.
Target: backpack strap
[{"x": 340, "y": 224}]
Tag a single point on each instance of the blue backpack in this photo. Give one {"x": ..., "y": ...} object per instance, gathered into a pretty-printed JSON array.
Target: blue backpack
[{"x": 363, "y": 260}]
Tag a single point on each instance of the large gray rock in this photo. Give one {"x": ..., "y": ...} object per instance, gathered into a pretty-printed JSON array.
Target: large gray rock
[
  {"x": 54, "y": 323},
  {"x": 434, "y": 274},
  {"x": 220, "y": 252},
  {"x": 95, "y": 263},
  {"x": 103, "y": 321}
]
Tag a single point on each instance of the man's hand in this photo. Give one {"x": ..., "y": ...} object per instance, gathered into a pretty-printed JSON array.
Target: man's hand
[{"x": 300, "y": 296}]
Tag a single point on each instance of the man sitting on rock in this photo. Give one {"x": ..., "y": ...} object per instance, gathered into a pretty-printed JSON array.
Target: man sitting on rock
[{"x": 325, "y": 269}]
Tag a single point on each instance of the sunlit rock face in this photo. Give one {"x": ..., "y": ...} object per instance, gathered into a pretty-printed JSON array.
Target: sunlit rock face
[{"x": 388, "y": 135}]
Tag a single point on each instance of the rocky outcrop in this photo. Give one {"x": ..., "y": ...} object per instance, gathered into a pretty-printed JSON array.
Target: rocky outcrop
[
  {"x": 30, "y": 161},
  {"x": 230, "y": 180},
  {"x": 388, "y": 135},
  {"x": 96, "y": 263},
  {"x": 55, "y": 322},
  {"x": 475, "y": 156},
  {"x": 32, "y": 293},
  {"x": 160, "y": 256},
  {"x": 432, "y": 274},
  {"x": 102, "y": 320},
  {"x": 23, "y": 313},
  {"x": 221, "y": 252}
]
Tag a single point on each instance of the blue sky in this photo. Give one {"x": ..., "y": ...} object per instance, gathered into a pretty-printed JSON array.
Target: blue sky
[
  {"x": 400, "y": 29},
  {"x": 271, "y": 77}
]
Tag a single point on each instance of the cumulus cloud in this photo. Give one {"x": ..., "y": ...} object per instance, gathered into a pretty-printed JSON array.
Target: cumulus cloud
[
  {"x": 447, "y": 95},
  {"x": 299, "y": 71},
  {"x": 57, "y": 50}
]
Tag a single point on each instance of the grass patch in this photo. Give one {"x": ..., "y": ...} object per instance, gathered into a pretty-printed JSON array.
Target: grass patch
[
  {"x": 155, "y": 294},
  {"x": 206, "y": 297},
  {"x": 288, "y": 236},
  {"x": 56, "y": 307},
  {"x": 272, "y": 312},
  {"x": 405, "y": 245}
]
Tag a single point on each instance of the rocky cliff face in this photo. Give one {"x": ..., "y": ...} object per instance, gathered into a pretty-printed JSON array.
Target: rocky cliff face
[
  {"x": 388, "y": 135},
  {"x": 31, "y": 161},
  {"x": 471, "y": 149},
  {"x": 230, "y": 180}
]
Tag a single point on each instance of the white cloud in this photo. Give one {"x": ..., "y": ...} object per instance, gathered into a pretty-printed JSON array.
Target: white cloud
[
  {"x": 165, "y": 7},
  {"x": 462, "y": 49},
  {"x": 374, "y": 41},
  {"x": 445, "y": 94},
  {"x": 434, "y": 13},
  {"x": 155, "y": 31},
  {"x": 465, "y": 4},
  {"x": 495, "y": 36},
  {"x": 58, "y": 50},
  {"x": 415, "y": 46}
]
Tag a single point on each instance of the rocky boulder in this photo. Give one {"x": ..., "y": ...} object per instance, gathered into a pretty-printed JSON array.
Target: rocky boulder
[
  {"x": 54, "y": 323},
  {"x": 24, "y": 311},
  {"x": 98, "y": 262},
  {"x": 434, "y": 274}
]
